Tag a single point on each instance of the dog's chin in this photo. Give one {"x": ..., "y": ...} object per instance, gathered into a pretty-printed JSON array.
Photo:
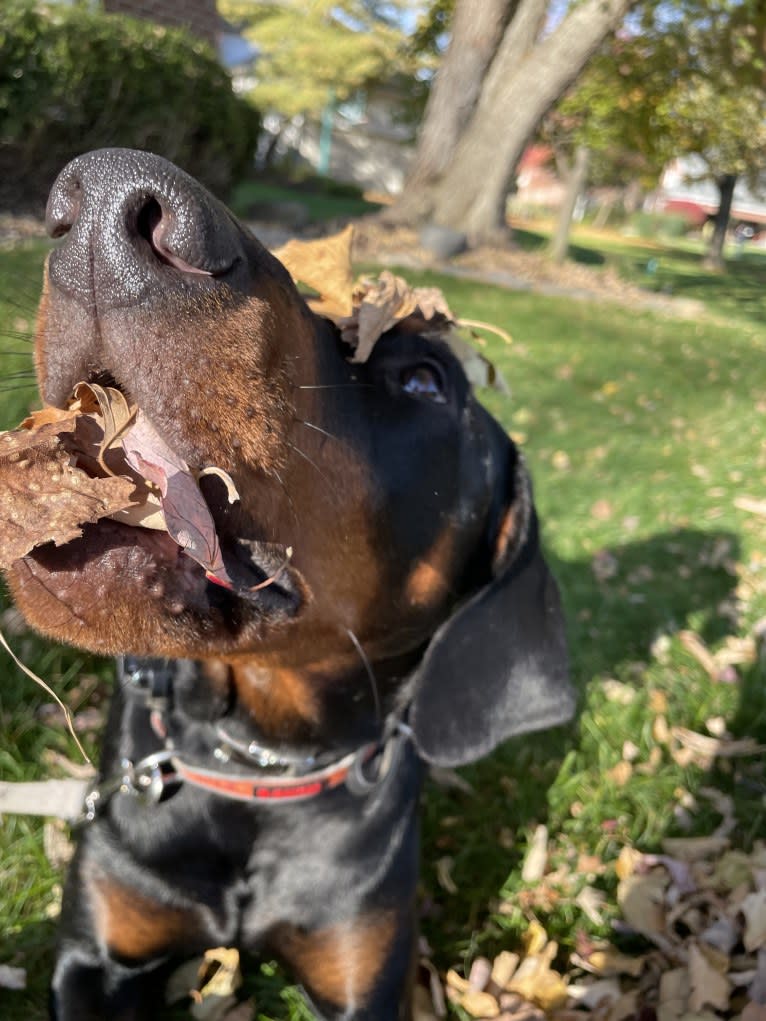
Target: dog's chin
[{"x": 121, "y": 589}]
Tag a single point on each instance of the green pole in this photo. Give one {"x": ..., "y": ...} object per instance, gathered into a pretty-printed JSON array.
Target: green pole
[{"x": 325, "y": 133}]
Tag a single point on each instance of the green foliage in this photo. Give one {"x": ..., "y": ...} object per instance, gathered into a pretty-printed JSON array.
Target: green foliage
[
  {"x": 689, "y": 78},
  {"x": 312, "y": 51},
  {"x": 72, "y": 79}
]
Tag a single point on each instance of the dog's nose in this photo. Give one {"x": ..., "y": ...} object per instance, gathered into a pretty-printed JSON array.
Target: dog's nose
[{"x": 134, "y": 223}]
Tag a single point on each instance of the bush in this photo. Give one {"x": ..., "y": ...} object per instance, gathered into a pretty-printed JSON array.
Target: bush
[{"x": 72, "y": 79}]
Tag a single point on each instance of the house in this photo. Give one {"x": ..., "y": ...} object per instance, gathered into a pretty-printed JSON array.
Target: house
[{"x": 685, "y": 188}]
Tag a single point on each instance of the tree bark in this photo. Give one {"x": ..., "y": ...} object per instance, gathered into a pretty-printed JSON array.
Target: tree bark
[
  {"x": 576, "y": 179},
  {"x": 714, "y": 259},
  {"x": 525, "y": 79},
  {"x": 476, "y": 31}
]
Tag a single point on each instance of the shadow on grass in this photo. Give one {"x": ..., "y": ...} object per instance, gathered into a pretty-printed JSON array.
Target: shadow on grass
[{"x": 669, "y": 581}]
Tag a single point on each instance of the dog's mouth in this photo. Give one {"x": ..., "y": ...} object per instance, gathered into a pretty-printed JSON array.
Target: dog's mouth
[{"x": 177, "y": 531}]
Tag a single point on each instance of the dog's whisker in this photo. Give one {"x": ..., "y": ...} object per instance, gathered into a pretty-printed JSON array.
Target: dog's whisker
[
  {"x": 319, "y": 429},
  {"x": 286, "y": 491},
  {"x": 370, "y": 674},
  {"x": 335, "y": 386},
  {"x": 306, "y": 457}
]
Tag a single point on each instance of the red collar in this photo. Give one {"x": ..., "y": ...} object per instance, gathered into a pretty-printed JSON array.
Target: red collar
[{"x": 257, "y": 787}]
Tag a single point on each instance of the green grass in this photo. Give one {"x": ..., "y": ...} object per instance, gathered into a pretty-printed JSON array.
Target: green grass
[
  {"x": 669, "y": 267},
  {"x": 321, "y": 200},
  {"x": 640, "y": 432}
]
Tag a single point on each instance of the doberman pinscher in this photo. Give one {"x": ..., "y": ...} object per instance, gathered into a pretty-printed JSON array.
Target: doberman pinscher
[{"x": 267, "y": 744}]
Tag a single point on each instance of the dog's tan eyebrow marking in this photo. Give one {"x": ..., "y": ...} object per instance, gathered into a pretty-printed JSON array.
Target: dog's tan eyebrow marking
[
  {"x": 430, "y": 580},
  {"x": 339, "y": 964}
]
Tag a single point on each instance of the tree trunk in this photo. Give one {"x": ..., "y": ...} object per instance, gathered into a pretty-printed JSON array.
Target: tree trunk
[
  {"x": 714, "y": 259},
  {"x": 522, "y": 84},
  {"x": 576, "y": 179},
  {"x": 477, "y": 29}
]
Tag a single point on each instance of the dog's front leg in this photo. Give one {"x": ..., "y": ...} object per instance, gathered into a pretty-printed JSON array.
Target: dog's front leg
[
  {"x": 360, "y": 969},
  {"x": 117, "y": 945}
]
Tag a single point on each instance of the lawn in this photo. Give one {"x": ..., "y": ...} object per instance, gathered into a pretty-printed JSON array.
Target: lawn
[
  {"x": 642, "y": 434},
  {"x": 673, "y": 268}
]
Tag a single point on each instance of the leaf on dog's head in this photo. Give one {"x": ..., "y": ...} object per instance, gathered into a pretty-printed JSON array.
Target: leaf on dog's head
[
  {"x": 364, "y": 311},
  {"x": 325, "y": 265},
  {"x": 382, "y": 303}
]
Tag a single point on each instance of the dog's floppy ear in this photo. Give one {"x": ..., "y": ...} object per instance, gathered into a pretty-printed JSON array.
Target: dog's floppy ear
[{"x": 498, "y": 666}]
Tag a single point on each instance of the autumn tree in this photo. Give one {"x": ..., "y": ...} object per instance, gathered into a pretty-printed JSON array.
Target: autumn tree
[{"x": 486, "y": 110}]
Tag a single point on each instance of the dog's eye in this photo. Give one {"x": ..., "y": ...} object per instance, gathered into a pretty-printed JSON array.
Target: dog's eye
[{"x": 425, "y": 380}]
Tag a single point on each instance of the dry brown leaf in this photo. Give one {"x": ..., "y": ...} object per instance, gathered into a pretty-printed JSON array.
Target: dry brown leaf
[
  {"x": 708, "y": 987},
  {"x": 673, "y": 994},
  {"x": 444, "y": 874},
  {"x": 704, "y": 750},
  {"x": 694, "y": 645},
  {"x": 457, "y": 982},
  {"x": 627, "y": 862},
  {"x": 325, "y": 265},
  {"x": 503, "y": 968},
  {"x": 753, "y": 907},
  {"x": 479, "y": 1004},
  {"x": 536, "y": 982},
  {"x": 478, "y": 977},
  {"x": 593, "y": 995},
  {"x": 533, "y": 868},
  {"x": 612, "y": 962},
  {"x": 44, "y": 499},
  {"x": 747, "y": 503},
  {"x": 694, "y": 848},
  {"x": 535, "y": 939},
  {"x": 618, "y": 692},
  {"x": 621, "y": 773},
  {"x": 641, "y": 898},
  {"x": 590, "y": 901},
  {"x": 658, "y": 702},
  {"x": 218, "y": 979},
  {"x": 627, "y": 1006}
]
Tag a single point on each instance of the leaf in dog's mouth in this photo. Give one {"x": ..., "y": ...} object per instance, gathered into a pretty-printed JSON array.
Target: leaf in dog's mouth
[{"x": 100, "y": 458}]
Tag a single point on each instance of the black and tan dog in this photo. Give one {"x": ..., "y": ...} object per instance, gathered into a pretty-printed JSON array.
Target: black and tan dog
[{"x": 277, "y": 732}]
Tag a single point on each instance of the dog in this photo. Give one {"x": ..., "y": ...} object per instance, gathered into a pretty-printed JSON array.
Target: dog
[{"x": 265, "y": 749}]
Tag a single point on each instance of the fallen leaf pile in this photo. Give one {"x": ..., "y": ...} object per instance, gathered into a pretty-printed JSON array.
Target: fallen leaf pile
[
  {"x": 100, "y": 458},
  {"x": 700, "y": 909}
]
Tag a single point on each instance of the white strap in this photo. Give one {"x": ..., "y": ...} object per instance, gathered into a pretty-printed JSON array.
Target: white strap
[{"x": 60, "y": 799}]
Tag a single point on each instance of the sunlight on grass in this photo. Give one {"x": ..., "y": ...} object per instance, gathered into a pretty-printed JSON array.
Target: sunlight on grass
[{"x": 641, "y": 433}]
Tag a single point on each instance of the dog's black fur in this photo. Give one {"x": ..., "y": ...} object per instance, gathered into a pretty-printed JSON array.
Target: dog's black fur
[{"x": 417, "y": 609}]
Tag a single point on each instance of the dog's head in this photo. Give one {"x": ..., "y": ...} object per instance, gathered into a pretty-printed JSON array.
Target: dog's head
[{"x": 408, "y": 508}]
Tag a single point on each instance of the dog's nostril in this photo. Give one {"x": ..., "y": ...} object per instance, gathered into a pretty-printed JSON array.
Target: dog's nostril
[
  {"x": 148, "y": 219},
  {"x": 154, "y": 224},
  {"x": 64, "y": 209}
]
